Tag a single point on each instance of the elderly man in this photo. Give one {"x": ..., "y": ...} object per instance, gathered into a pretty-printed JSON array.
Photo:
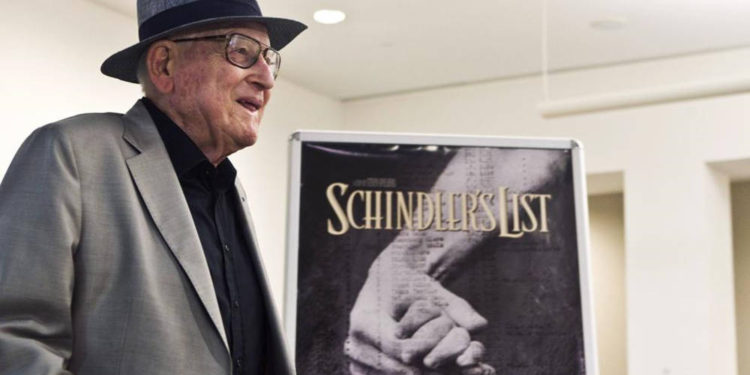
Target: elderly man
[{"x": 127, "y": 245}]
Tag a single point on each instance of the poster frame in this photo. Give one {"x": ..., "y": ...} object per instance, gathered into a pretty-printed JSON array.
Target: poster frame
[{"x": 579, "y": 195}]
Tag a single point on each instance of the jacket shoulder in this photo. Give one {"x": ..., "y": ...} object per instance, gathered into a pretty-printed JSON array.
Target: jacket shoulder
[
  {"x": 87, "y": 125},
  {"x": 88, "y": 131}
]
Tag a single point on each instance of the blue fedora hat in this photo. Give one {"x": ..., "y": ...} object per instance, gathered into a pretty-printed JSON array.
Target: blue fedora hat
[{"x": 158, "y": 19}]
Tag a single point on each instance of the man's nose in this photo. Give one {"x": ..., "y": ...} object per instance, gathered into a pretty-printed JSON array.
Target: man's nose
[{"x": 262, "y": 74}]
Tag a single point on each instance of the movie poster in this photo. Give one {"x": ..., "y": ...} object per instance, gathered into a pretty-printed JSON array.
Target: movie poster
[{"x": 437, "y": 259}]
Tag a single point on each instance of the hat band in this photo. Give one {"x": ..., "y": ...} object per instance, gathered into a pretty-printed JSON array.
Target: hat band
[{"x": 194, "y": 12}]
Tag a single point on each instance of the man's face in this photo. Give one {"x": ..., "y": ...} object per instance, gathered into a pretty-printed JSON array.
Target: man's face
[{"x": 219, "y": 104}]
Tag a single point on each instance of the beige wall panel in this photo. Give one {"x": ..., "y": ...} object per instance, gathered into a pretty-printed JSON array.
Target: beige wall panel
[
  {"x": 741, "y": 236},
  {"x": 608, "y": 267}
]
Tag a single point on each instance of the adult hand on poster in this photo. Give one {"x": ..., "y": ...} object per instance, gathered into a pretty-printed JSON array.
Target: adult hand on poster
[{"x": 405, "y": 322}]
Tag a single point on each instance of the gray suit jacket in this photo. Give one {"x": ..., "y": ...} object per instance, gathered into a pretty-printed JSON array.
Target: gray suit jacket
[{"x": 101, "y": 268}]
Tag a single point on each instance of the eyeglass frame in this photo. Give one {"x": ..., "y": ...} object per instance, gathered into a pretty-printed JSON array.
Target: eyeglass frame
[{"x": 264, "y": 48}]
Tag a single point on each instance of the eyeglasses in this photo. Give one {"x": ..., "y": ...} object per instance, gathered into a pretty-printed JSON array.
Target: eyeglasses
[{"x": 243, "y": 51}]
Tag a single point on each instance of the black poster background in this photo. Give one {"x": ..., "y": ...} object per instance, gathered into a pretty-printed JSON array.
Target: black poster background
[{"x": 527, "y": 288}]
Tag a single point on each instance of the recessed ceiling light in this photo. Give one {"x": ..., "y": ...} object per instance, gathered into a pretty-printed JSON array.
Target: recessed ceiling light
[
  {"x": 329, "y": 16},
  {"x": 612, "y": 23}
]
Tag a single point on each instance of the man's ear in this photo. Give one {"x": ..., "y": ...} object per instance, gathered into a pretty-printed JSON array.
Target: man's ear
[{"x": 160, "y": 63}]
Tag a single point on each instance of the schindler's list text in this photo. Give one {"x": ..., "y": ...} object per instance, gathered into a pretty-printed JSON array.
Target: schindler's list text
[{"x": 510, "y": 214}]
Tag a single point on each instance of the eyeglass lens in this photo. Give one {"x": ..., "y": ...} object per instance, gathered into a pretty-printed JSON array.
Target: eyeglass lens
[{"x": 244, "y": 52}]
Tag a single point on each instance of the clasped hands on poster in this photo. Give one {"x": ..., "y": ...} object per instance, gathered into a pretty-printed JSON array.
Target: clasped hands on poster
[{"x": 405, "y": 322}]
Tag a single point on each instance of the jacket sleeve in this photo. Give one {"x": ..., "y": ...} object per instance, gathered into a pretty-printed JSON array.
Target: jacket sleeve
[{"x": 40, "y": 223}]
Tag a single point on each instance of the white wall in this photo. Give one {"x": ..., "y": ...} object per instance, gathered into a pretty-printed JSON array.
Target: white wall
[
  {"x": 680, "y": 308},
  {"x": 52, "y": 72}
]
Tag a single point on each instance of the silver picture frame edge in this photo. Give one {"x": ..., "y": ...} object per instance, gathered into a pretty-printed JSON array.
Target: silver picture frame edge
[
  {"x": 292, "y": 244},
  {"x": 579, "y": 194}
]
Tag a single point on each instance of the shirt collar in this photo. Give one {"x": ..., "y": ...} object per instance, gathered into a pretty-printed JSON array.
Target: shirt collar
[{"x": 183, "y": 152}]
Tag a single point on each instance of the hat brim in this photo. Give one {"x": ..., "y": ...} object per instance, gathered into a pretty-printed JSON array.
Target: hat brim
[{"x": 124, "y": 64}]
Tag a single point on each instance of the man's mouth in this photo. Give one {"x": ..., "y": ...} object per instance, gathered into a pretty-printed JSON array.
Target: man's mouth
[{"x": 250, "y": 104}]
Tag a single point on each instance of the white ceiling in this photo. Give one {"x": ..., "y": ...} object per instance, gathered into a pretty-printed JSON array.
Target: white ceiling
[{"x": 389, "y": 46}]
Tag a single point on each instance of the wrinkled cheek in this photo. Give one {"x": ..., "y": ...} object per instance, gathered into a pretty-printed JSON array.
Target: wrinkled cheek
[
  {"x": 190, "y": 90},
  {"x": 187, "y": 84}
]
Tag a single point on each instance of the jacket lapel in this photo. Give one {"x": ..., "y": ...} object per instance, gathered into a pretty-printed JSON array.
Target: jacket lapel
[
  {"x": 154, "y": 176},
  {"x": 280, "y": 363}
]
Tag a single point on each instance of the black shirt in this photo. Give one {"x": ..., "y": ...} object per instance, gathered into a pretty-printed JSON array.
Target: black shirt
[{"x": 214, "y": 205}]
